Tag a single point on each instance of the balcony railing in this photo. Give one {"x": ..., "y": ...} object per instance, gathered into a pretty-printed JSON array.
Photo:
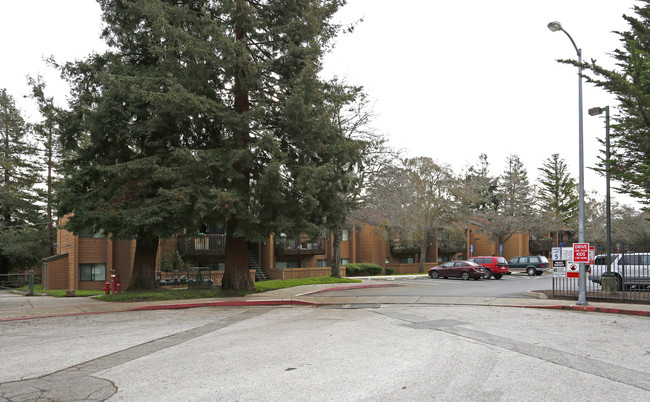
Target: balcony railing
[
  {"x": 452, "y": 246},
  {"x": 538, "y": 246},
  {"x": 299, "y": 246},
  {"x": 209, "y": 244},
  {"x": 403, "y": 248}
]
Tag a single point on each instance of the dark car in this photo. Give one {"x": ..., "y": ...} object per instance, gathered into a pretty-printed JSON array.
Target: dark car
[
  {"x": 461, "y": 269},
  {"x": 495, "y": 267},
  {"x": 531, "y": 264}
]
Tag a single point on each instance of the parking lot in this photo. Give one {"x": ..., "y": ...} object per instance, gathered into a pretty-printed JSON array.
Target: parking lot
[{"x": 401, "y": 352}]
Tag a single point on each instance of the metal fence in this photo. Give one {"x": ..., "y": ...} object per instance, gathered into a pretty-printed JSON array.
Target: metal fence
[
  {"x": 17, "y": 280},
  {"x": 627, "y": 278},
  {"x": 202, "y": 278}
]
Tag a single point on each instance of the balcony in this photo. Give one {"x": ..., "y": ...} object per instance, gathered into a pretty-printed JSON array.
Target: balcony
[
  {"x": 209, "y": 244},
  {"x": 452, "y": 246},
  {"x": 540, "y": 246},
  {"x": 299, "y": 246},
  {"x": 403, "y": 248}
]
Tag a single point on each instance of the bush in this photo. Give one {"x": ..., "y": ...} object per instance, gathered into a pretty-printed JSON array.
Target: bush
[
  {"x": 362, "y": 269},
  {"x": 389, "y": 271}
]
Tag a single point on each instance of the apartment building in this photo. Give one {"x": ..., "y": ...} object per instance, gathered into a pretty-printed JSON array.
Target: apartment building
[{"x": 86, "y": 261}]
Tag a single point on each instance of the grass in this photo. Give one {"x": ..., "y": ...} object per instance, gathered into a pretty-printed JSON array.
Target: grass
[
  {"x": 186, "y": 294},
  {"x": 38, "y": 289}
]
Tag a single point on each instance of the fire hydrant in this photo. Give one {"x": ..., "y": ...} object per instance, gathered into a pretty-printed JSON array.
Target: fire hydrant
[{"x": 107, "y": 287}]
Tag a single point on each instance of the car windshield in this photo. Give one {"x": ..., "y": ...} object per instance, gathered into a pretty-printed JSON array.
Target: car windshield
[
  {"x": 472, "y": 264},
  {"x": 544, "y": 260},
  {"x": 501, "y": 260}
]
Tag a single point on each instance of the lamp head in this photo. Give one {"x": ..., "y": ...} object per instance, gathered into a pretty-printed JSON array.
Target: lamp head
[
  {"x": 595, "y": 111},
  {"x": 554, "y": 26}
]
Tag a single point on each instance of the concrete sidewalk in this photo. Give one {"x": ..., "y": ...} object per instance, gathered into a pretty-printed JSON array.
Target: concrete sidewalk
[{"x": 17, "y": 306}]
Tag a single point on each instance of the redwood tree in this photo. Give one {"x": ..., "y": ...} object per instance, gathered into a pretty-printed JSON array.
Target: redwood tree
[{"x": 201, "y": 110}]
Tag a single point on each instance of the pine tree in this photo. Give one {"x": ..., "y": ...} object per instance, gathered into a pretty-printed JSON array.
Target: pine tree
[
  {"x": 202, "y": 110},
  {"x": 46, "y": 134},
  {"x": 558, "y": 196},
  {"x": 630, "y": 83},
  {"x": 21, "y": 230}
]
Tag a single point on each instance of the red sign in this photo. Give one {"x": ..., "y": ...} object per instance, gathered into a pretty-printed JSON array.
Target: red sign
[
  {"x": 573, "y": 271},
  {"x": 581, "y": 252}
]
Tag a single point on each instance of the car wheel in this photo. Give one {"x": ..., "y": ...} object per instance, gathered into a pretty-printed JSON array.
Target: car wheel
[
  {"x": 497, "y": 276},
  {"x": 488, "y": 274},
  {"x": 531, "y": 271},
  {"x": 433, "y": 275},
  {"x": 465, "y": 276}
]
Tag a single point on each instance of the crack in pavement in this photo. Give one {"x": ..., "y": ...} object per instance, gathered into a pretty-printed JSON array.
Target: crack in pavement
[
  {"x": 587, "y": 365},
  {"x": 77, "y": 383}
]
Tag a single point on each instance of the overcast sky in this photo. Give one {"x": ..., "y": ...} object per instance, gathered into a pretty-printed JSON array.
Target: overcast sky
[{"x": 449, "y": 79}]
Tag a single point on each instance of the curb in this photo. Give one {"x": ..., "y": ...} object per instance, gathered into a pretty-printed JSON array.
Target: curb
[
  {"x": 238, "y": 303},
  {"x": 353, "y": 287},
  {"x": 590, "y": 309}
]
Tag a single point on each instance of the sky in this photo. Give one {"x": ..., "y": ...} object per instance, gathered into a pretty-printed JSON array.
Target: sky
[{"x": 448, "y": 79}]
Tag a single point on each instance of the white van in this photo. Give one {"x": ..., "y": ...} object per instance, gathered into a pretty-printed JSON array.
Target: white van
[{"x": 631, "y": 270}]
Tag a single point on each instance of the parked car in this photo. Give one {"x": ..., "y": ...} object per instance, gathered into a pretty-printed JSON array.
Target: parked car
[
  {"x": 461, "y": 269},
  {"x": 494, "y": 266},
  {"x": 632, "y": 271},
  {"x": 531, "y": 264}
]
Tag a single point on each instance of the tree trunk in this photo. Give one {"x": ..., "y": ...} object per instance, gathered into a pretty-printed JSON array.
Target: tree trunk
[
  {"x": 335, "y": 264},
  {"x": 423, "y": 255},
  {"x": 236, "y": 275},
  {"x": 144, "y": 263}
]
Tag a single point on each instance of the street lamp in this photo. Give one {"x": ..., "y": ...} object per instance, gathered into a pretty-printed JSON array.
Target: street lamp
[
  {"x": 582, "y": 280},
  {"x": 594, "y": 112}
]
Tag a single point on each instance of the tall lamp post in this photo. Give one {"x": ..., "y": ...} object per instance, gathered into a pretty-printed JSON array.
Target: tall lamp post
[
  {"x": 594, "y": 112},
  {"x": 582, "y": 280}
]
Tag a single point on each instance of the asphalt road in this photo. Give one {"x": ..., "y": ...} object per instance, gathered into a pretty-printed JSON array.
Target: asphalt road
[
  {"x": 508, "y": 286},
  {"x": 396, "y": 352}
]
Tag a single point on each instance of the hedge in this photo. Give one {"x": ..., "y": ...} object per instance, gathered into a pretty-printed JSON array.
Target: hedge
[{"x": 362, "y": 269}]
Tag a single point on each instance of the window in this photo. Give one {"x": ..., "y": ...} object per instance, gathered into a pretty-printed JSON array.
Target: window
[
  {"x": 345, "y": 235},
  {"x": 407, "y": 260},
  {"x": 321, "y": 263},
  {"x": 92, "y": 272},
  {"x": 345, "y": 261},
  {"x": 287, "y": 264},
  {"x": 91, "y": 233},
  {"x": 387, "y": 260}
]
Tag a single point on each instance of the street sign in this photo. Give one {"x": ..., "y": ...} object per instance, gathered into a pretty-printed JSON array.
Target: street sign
[
  {"x": 556, "y": 253},
  {"x": 581, "y": 252},
  {"x": 573, "y": 271},
  {"x": 559, "y": 269},
  {"x": 567, "y": 254}
]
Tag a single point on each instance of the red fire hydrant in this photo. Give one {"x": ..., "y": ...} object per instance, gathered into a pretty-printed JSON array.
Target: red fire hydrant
[{"x": 107, "y": 288}]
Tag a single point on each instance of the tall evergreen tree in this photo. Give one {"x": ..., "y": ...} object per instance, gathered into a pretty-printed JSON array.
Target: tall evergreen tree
[
  {"x": 47, "y": 136},
  {"x": 202, "y": 110},
  {"x": 21, "y": 229},
  {"x": 558, "y": 197},
  {"x": 630, "y": 83}
]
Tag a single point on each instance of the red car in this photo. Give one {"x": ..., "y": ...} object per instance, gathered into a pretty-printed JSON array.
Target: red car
[
  {"x": 494, "y": 266},
  {"x": 461, "y": 269}
]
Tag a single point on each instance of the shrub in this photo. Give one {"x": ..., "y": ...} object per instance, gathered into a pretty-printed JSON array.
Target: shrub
[
  {"x": 362, "y": 269},
  {"x": 389, "y": 271}
]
